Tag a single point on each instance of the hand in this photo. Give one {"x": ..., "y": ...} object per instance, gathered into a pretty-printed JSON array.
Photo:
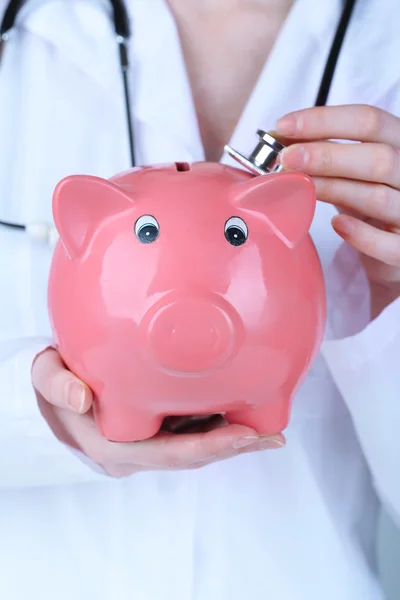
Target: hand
[
  {"x": 361, "y": 179},
  {"x": 66, "y": 403}
]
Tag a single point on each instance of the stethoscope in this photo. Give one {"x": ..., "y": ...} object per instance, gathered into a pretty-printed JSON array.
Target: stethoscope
[{"x": 267, "y": 148}]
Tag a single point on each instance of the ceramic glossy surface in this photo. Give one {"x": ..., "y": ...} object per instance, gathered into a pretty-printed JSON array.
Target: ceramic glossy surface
[{"x": 187, "y": 289}]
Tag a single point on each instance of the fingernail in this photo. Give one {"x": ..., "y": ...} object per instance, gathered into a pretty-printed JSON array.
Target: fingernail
[
  {"x": 245, "y": 441},
  {"x": 75, "y": 396},
  {"x": 271, "y": 442},
  {"x": 263, "y": 442},
  {"x": 294, "y": 157},
  {"x": 287, "y": 125}
]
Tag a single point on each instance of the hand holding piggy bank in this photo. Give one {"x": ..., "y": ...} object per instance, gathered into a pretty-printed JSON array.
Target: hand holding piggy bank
[{"x": 181, "y": 290}]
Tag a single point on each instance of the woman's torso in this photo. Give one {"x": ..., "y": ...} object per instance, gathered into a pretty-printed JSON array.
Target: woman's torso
[
  {"x": 298, "y": 523},
  {"x": 222, "y": 73}
]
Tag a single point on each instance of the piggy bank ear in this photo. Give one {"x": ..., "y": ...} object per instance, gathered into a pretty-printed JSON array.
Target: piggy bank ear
[
  {"x": 285, "y": 200},
  {"x": 80, "y": 204}
]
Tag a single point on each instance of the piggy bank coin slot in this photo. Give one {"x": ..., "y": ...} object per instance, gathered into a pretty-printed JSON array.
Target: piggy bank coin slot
[{"x": 182, "y": 166}]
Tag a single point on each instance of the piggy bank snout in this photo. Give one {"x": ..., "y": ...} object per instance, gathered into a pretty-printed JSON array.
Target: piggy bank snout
[{"x": 191, "y": 336}]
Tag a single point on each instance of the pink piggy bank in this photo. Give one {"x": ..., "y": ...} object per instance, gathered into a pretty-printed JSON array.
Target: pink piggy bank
[{"x": 187, "y": 290}]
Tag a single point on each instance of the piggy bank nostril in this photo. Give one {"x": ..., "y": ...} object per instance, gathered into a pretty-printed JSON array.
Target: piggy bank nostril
[{"x": 191, "y": 336}]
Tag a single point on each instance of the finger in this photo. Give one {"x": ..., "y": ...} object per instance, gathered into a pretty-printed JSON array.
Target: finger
[
  {"x": 59, "y": 386},
  {"x": 164, "y": 452},
  {"x": 381, "y": 245},
  {"x": 80, "y": 433},
  {"x": 377, "y": 163},
  {"x": 169, "y": 451},
  {"x": 350, "y": 122},
  {"x": 377, "y": 201},
  {"x": 288, "y": 141}
]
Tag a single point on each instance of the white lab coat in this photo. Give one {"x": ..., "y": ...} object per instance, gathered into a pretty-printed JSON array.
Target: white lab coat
[{"x": 295, "y": 524}]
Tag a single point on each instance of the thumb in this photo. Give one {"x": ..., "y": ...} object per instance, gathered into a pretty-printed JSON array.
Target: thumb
[{"x": 58, "y": 385}]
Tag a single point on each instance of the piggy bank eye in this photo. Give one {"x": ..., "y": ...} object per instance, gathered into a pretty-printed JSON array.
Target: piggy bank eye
[
  {"x": 147, "y": 229},
  {"x": 236, "y": 231}
]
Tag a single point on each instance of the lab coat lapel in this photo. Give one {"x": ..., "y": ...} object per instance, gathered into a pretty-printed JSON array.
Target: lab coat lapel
[
  {"x": 164, "y": 106},
  {"x": 80, "y": 31},
  {"x": 368, "y": 66},
  {"x": 164, "y": 115}
]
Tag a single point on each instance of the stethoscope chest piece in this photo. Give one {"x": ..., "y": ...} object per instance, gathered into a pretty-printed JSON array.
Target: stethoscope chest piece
[{"x": 264, "y": 159}]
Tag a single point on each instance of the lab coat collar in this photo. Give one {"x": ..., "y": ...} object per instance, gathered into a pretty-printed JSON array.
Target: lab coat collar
[{"x": 80, "y": 31}]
